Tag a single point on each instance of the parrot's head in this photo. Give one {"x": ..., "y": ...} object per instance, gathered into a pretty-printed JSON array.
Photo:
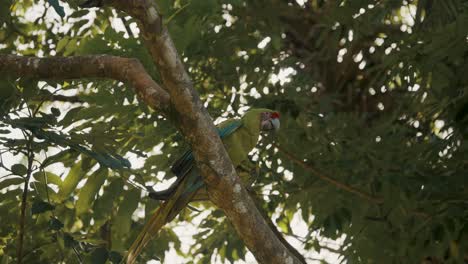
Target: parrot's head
[
  {"x": 263, "y": 119},
  {"x": 269, "y": 121}
]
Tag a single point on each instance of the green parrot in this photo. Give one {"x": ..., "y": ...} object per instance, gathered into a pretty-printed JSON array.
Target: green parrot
[{"x": 239, "y": 137}]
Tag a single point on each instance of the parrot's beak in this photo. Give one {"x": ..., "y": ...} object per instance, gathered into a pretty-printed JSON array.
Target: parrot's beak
[{"x": 276, "y": 123}]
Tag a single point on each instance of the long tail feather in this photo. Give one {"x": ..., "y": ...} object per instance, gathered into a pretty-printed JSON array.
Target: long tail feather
[
  {"x": 165, "y": 213},
  {"x": 151, "y": 228}
]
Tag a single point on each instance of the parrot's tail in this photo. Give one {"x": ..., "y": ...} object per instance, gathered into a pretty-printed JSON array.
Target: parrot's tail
[
  {"x": 151, "y": 228},
  {"x": 169, "y": 209}
]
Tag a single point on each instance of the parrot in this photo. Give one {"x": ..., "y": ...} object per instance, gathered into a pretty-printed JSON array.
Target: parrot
[{"x": 239, "y": 137}]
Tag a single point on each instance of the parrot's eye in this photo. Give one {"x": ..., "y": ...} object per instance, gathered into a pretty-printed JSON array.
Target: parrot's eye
[{"x": 269, "y": 121}]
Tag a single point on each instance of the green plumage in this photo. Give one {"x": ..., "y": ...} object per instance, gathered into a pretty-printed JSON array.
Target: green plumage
[{"x": 239, "y": 138}]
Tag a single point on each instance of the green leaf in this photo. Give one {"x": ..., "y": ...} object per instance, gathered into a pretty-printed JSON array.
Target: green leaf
[
  {"x": 49, "y": 176},
  {"x": 71, "y": 181},
  {"x": 69, "y": 241},
  {"x": 10, "y": 196},
  {"x": 19, "y": 169},
  {"x": 90, "y": 189},
  {"x": 5, "y": 16},
  {"x": 29, "y": 88},
  {"x": 71, "y": 47},
  {"x": 69, "y": 117},
  {"x": 57, "y": 7},
  {"x": 10, "y": 182},
  {"x": 115, "y": 257},
  {"x": 80, "y": 23},
  {"x": 62, "y": 44},
  {"x": 55, "y": 111},
  {"x": 103, "y": 205},
  {"x": 63, "y": 156},
  {"x": 45, "y": 192},
  {"x": 41, "y": 207},
  {"x": 122, "y": 221},
  {"x": 79, "y": 13},
  {"x": 204, "y": 7},
  {"x": 7, "y": 90},
  {"x": 55, "y": 224},
  {"x": 98, "y": 256}
]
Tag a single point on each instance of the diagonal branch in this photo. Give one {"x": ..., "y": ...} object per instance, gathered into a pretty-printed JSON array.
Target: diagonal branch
[
  {"x": 224, "y": 186},
  {"x": 273, "y": 227},
  {"x": 126, "y": 70},
  {"x": 328, "y": 179}
]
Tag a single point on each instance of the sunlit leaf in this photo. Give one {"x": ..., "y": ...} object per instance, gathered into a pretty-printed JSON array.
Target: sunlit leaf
[
  {"x": 71, "y": 180},
  {"x": 90, "y": 190}
]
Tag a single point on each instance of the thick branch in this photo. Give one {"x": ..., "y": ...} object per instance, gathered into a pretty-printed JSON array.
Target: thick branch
[
  {"x": 273, "y": 227},
  {"x": 224, "y": 186},
  {"x": 126, "y": 70}
]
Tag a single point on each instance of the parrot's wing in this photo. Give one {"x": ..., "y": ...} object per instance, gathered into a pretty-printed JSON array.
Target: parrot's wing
[
  {"x": 187, "y": 185},
  {"x": 228, "y": 127},
  {"x": 185, "y": 163},
  {"x": 169, "y": 209}
]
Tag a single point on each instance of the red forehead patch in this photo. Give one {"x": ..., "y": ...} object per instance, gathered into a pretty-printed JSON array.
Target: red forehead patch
[{"x": 275, "y": 115}]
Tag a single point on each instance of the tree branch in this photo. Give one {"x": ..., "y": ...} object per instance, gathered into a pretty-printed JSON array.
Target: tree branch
[
  {"x": 224, "y": 186},
  {"x": 332, "y": 181},
  {"x": 126, "y": 70},
  {"x": 24, "y": 202},
  {"x": 59, "y": 98},
  {"x": 273, "y": 227}
]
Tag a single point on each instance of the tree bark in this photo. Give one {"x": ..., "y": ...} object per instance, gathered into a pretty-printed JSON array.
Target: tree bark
[
  {"x": 126, "y": 70},
  {"x": 181, "y": 103},
  {"x": 223, "y": 184}
]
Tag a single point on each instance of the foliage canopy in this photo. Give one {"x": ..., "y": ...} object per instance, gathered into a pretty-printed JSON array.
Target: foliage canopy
[{"x": 374, "y": 109}]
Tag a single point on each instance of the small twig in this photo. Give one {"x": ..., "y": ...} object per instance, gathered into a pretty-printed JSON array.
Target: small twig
[
  {"x": 41, "y": 103},
  {"x": 46, "y": 187},
  {"x": 317, "y": 259},
  {"x": 127, "y": 27},
  {"x": 61, "y": 98},
  {"x": 53, "y": 214},
  {"x": 176, "y": 13},
  {"x": 78, "y": 256},
  {"x": 9, "y": 175},
  {"x": 24, "y": 199},
  {"x": 330, "y": 180}
]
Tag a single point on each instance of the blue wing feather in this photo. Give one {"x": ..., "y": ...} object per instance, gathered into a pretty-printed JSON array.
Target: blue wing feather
[
  {"x": 228, "y": 129},
  {"x": 185, "y": 163},
  {"x": 182, "y": 167}
]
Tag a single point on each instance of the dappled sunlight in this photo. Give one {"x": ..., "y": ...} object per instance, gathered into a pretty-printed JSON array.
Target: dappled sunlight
[{"x": 372, "y": 102}]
